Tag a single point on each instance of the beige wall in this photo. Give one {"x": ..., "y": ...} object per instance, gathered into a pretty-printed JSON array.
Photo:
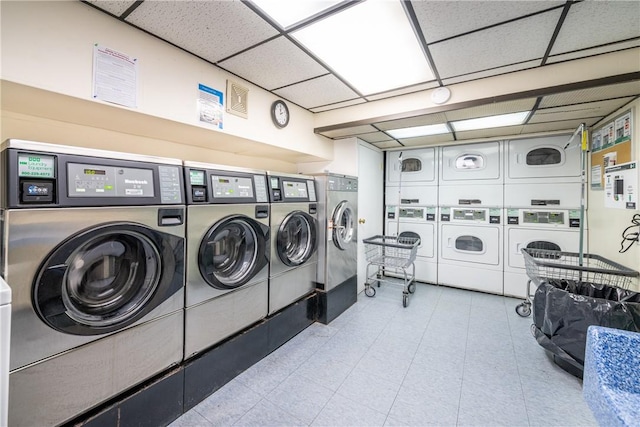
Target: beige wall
[
  {"x": 48, "y": 45},
  {"x": 606, "y": 225}
]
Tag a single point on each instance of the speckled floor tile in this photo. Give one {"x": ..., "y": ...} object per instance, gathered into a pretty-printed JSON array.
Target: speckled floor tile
[
  {"x": 301, "y": 397},
  {"x": 228, "y": 405},
  {"x": 267, "y": 414},
  {"x": 452, "y": 358},
  {"x": 348, "y": 412}
]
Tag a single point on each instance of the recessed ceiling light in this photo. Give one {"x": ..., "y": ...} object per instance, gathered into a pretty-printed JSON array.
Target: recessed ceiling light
[
  {"x": 371, "y": 45},
  {"x": 501, "y": 120},
  {"x": 289, "y": 12},
  {"x": 419, "y": 131}
]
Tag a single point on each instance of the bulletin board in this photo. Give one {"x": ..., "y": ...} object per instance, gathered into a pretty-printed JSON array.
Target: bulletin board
[{"x": 610, "y": 146}]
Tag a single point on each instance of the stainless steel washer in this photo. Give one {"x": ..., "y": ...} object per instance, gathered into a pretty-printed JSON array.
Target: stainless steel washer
[
  {"x": 228, "y": 240},
  {"x": 94, "y": 255},
  {"x": 294, "y": 224},
  {"x": 338, "y": 213}
]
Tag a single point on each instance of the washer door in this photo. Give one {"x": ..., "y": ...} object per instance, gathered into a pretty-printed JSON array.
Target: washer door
[
  {"x": 343, "y": 224},
  {"x": 105, "y": 278},
  {"x": 233, "y": 251},
  {"x": 297, "y": 238}
]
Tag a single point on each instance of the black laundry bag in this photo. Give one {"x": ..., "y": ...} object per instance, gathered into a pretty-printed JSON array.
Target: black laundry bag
[{"x": 564, "y": 309}]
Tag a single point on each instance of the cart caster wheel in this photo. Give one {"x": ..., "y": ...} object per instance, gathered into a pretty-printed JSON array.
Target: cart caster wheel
[
  {"x": 370, "y": 291},
  {"x": 412, "y": 287},
  {"x": 405, "y": 300},
  {"x": 523, "y": 309}
]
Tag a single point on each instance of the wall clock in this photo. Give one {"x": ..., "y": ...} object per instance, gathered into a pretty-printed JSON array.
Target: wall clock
[{"x": 280, "y": 113}]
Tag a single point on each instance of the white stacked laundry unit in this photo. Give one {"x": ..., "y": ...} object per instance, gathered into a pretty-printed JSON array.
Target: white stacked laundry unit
[
  {"x": 542, "y": 194},
  {"x": 411, "y": 196},
  {"x": 470, "y": 199}
]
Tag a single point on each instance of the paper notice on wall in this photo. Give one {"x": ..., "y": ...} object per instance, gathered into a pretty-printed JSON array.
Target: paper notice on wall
[
  {"x": 210, "y": 102},
  {"x": 115, "y": 77},
  {"x": 621, "y": 186}
]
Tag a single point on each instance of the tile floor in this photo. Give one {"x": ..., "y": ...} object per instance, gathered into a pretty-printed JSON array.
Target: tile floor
[{"x": 451, "y": 358}]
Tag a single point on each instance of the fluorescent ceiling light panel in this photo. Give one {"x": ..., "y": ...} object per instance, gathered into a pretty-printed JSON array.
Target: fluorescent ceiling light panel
[
  {"x": 501, "y": 120},
  {"x": 371, "y": 45},
  {"x": 289, "y": 12},
  {"x": 419, "y": 131}
]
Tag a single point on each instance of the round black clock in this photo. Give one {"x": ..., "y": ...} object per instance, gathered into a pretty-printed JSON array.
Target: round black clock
[{"x": 280, "y": 113}]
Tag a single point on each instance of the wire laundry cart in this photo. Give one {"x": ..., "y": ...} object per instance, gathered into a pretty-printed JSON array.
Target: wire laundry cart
[
  {"x": 544, "y": 265},
  {"x": 391, "y": 254}
]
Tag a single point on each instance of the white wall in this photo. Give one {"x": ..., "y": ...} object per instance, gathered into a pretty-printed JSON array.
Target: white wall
[
  {"x": 606, "y": 225},
  {"x": 49, "y": 45},
  {"x": 345, "y": 160}
]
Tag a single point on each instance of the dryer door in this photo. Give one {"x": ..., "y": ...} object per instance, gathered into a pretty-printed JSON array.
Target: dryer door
[
  {"x": 107, "y": 277},
  {"x": 550, "y": 239},
  {"x": 479, "y": 244},
  {"x": 233, "y": 251},
  {"x": 297, "y": 238},
  {"x": 343, "y": 219}
]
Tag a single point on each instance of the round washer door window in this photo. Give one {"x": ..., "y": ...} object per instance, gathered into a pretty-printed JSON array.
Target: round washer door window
[
  {"x": 343, "y": 225},
  {"x": 103, "y": 279},
  {"x": 297, "y": 238},
  {"x": 232, "y": 252},
  {"x": 110, "y": 277}
]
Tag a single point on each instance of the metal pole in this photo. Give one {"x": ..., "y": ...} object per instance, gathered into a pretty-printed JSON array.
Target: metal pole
[
  {"x": 399, "y": 195},
  {"x": 583, "y": 187}
]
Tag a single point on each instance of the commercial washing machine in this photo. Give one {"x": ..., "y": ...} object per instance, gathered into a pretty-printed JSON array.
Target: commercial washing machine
[
  {"x": 294, "y": 224},
  {"x": 337, "y": 272},
  {"x": 228, "y": 241},
  {"x": 5, "y": 342},
  {"x": 94, "y": 256}
]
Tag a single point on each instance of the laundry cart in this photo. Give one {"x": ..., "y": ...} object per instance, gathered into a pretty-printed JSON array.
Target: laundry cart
[
  {"x": 574, "y": 292},
  {"x": 395, "y": 254}
]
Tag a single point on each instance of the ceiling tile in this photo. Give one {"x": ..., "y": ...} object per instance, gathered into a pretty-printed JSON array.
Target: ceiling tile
[
  {"x": 387, "y": 144},
  {"x": 492, "y": 72},
  {"x": 592, "y": 23},
  {"x": 579, "y": 111},
  {"x": 375, "y": 137},
  {"x": 593, "y": 51},
  {"x": 489, "y": 133},
  {"x": 274, "y": 64},
  {"x": 352, "y": 131},
  {"x": 519, "y": 41},
  {"x": 427, "y": 140},
  {"x": 316, "y": 92},
  {"x": 593, "y": 94},
  {"x": 491, "y": 109},
  {"x": 337, "y": 105},
  {"x": 210, "y": 29},
  {"x": 427, "y": 119},
  {"x": 565, "y": 125},
  {"x": 442, "y": 19},
  {"x": 116, "y": 8}
]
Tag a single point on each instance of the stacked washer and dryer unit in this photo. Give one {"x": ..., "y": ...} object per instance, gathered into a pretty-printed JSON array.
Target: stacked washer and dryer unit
[
  {"x": 94, "y": 252},
  {"x": 411, "y": 203},
  {"x": 294, "y": 243},
  {"x": 228, "y": 238},
  {"x": 542, "y": 198},
  {"x": 470, "y": 198}
]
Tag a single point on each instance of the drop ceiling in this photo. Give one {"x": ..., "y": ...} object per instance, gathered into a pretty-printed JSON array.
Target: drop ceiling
[{"x": 462, "y": 41}]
